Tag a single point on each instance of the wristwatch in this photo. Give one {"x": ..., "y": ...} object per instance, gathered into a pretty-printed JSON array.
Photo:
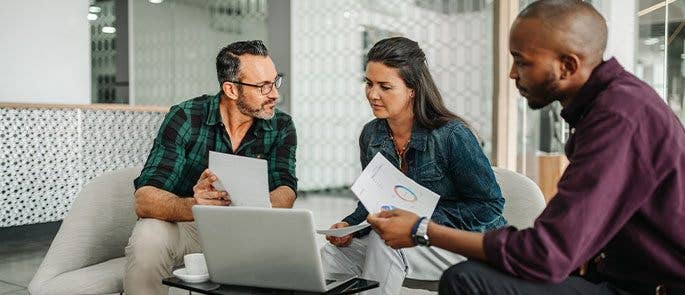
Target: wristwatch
[{"x": 419, "y": 232}]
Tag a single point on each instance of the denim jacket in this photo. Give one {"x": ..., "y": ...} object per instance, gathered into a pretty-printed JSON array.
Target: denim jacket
[{"x": 447, "y": 160}]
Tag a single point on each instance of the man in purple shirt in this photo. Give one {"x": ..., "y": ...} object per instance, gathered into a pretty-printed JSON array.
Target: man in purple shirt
[{"x": 621, "y": 202}]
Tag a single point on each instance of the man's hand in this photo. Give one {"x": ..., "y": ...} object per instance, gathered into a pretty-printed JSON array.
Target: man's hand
[
  {"x": 394, "y": 227},
  {"x": 205, "y": 194},
  {"x": 343, "y": 241}
]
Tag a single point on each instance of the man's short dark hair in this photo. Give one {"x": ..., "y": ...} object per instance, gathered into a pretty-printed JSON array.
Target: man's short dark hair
[
  {"x": 584, "y": 28},
  {"x": 228, "y": 63}
]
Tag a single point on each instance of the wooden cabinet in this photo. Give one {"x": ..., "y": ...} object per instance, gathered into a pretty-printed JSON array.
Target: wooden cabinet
[{"x": 551, "y": 167}]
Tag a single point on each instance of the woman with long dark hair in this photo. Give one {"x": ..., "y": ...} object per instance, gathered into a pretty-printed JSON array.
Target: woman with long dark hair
[{"x": 431, "y": 145}]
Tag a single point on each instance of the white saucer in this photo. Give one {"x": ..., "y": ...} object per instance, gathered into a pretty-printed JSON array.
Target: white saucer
[{"x": 183, "y": 275}]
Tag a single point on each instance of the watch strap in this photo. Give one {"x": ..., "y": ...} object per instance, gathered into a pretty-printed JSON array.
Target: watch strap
[{"x": 416, "y": 226}]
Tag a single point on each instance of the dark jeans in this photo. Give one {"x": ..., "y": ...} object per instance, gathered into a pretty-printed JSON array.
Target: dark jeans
[{"x": 472, "y": 277}]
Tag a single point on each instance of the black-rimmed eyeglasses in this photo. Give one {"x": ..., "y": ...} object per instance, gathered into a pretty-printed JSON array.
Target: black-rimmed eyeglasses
[{"x": 267, "y": 87}]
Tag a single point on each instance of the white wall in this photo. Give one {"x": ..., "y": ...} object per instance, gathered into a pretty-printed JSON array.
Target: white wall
[
  {"x": 45, "y": 51},
  {"x": 621, "y": 20}
]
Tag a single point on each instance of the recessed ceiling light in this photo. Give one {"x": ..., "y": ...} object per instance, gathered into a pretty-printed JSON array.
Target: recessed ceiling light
[
  {"x": 109, "y": 30},
  {"x": 94, "y": 9},
  {"x": 92, "y": 16},
  {"x": 155, "y": 1}
]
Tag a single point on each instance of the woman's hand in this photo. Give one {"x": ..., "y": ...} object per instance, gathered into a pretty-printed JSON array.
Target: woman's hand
[{"x": 343, "y": 241}]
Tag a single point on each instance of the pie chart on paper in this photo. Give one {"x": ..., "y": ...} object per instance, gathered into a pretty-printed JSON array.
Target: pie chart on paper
[{"x": 405, "y": 193}]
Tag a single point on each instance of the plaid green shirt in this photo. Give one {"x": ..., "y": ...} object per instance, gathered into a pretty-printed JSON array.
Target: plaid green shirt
[{"x": 193, "y": 128}]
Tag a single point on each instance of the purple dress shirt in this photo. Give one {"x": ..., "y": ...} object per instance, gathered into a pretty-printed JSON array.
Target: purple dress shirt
[{"x": 622, "y": 195}]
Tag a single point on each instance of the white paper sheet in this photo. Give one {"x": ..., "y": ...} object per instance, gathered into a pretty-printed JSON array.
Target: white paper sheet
[
  {"x": 381, "y": 186},
  {"x": 244, "y": 178},
  {"x": 341, "y": 232}
]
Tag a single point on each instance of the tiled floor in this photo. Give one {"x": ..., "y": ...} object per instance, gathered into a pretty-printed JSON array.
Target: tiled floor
[{"x": 21, "y": 252}]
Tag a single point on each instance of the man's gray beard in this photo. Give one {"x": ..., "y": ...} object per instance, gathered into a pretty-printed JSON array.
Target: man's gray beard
[{"x": 262, "y": 113}]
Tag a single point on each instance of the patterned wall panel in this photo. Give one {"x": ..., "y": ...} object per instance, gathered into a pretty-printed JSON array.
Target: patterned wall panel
[
  {"x": 47, "y": 155},
  {"x": 328, "y": 101},
  {"x": 41, "y": 163},
  {"x": 116, "y": 139}
]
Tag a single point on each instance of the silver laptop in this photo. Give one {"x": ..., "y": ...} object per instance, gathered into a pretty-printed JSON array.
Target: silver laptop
[{"x": 263, "y": 247}]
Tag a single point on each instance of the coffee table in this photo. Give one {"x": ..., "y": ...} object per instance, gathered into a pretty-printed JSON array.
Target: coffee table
[{"x": 354, "y": 286}]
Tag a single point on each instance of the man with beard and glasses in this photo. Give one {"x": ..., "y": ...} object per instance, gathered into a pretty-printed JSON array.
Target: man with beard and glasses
[
  {"x": 619, "y": 212},
  {"x": 241, "y": 119}
]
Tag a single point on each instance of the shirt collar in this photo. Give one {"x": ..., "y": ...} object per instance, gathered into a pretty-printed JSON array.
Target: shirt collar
[
  {"x": 601, "y": 76},
  {"x": 214, "y": 115},
  {"x": 213, "y": 112},
  {"x": 419, "y": 136}
]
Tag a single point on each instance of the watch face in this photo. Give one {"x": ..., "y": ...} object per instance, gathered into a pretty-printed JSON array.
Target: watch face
[{"x": 421, "y": 240}]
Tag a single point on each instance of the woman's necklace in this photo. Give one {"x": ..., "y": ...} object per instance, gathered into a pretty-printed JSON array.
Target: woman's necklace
[{"x": 401, "y": 152}]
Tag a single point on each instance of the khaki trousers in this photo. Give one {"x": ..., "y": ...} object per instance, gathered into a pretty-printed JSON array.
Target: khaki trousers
[{"x": 154, "y": 248}]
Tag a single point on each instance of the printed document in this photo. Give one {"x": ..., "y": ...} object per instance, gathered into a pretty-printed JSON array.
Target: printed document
[
  {"x": 341, "y": 232},
  {"x": 381, "y": 186},
  {"x": 244, "y": 178}
]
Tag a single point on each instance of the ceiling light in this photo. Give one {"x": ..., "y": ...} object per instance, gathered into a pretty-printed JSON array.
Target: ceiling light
[
  {"x": 155, "y": 1},
  {"x": 109, "y": 30},
  {"x": 92, "y": 16}
]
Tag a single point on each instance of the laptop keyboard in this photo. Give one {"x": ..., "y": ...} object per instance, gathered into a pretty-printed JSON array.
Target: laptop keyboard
[{"x": 328, "y": 282}]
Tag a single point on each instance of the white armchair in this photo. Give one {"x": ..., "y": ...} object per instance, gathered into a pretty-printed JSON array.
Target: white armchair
[
  {"x": 523, "y": 203},
  {"x": 87, "y": 254},
  {"x": 523, "y": 198}
]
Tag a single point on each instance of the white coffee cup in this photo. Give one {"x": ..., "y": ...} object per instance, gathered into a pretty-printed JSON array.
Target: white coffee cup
[{"x": 195, "y": 264}]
